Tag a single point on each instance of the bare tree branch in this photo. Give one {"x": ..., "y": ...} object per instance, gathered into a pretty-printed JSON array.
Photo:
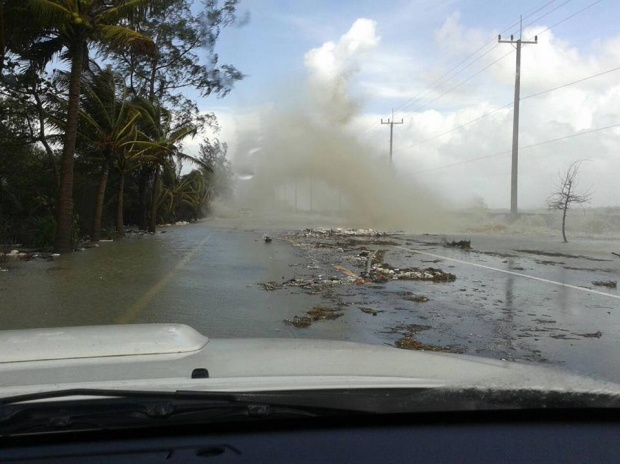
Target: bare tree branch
[{"x": 568, "y": 193}]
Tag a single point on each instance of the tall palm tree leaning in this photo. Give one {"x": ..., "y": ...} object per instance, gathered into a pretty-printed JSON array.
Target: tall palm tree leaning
[
  {"x": 47, "y": 28},
  {"x": 162, "y": 136},
  {"x": 108, "y": 129}
]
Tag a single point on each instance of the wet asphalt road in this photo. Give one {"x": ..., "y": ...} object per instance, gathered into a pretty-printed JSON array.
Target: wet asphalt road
[{"x": 515, "y": 298}]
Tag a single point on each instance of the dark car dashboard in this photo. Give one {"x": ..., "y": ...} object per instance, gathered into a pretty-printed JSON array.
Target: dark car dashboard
[{"x": 553, "y": 435}]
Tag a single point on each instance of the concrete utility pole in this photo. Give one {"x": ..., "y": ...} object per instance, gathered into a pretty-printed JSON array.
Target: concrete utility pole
[
  {"x": 515, "y": 124},
  {"x": 391, "y": 123}
]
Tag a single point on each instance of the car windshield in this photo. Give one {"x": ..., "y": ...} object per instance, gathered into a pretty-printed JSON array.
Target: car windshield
[{"x": 421, "y": 176}]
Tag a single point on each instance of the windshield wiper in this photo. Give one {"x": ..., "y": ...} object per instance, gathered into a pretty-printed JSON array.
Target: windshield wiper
[{"x": 108, "y": 409}]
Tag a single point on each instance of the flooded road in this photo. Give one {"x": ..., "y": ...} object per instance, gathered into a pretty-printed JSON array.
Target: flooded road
[
  {"x": 516, "y": 298},
  {"x": 198, "y": 275}
]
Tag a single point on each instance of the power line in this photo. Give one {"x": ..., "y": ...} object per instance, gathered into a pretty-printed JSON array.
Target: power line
[
  {"x": 465, "y": 80},
  {"x": 546, "y": 14},
  {"x": 504, "y": 107},
  {"x": 490, "y": 50},
  {"x": 507, "y": 105},
  {"x": 571, "y": 83},
  {"x": 571, "y": 16},
  {"x": 471, "y": 160},
  {"x": 432, "y": 85},
  {"x": 402, "y": 107},
  {"x": 429, "y": 89}
]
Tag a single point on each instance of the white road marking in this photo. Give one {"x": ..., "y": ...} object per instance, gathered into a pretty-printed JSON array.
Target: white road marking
[{"x": 518, "y": 274}]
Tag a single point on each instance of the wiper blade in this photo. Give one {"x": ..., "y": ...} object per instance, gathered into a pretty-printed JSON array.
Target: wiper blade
[
  {"x": 113, "y": 393},
  {"x": 107, "y": 409}
]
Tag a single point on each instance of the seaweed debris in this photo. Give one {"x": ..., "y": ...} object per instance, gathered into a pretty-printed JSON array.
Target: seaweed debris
[
  {"x": 462, "y": 244},
  {"x": 605, "y": 283},
  {"x": 317, "y": 313}
]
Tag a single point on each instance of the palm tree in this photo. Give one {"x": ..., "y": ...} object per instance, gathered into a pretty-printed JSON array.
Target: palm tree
[
  {"x": 108, "y": 129},
  {"x": 182, "y": 197},
  {"x": 125, "y": 161},
  {"x": 162, "y": 136},
  {"x": 43, "y": 29}
]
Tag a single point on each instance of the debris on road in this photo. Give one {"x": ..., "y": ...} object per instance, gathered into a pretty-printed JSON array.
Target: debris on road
[
  {"x": 384, "y": 273},
  {"x": 605, "y": 283},
  {"x": 26, "y": 256},
  {"x": 381, "y": 272},
  {"x": 317, "y": 313},
  {"x": 416, "y": 298},
  {"x": 408, "y": 340},
  {"x": 323, "y": 312},
  {"x": 598, "y": 334},
  {"x": 299, "y": 322},
  {"x": 314, "y": 285},
  {"x": 462, "y": 244},
  {"x": 374, "y": 312},
  {"x": 341, "y": 232},
  {"x": 561, "y": 255}
]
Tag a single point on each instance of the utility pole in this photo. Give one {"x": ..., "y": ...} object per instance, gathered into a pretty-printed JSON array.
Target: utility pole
[
  {"x": 391, "y": 123},
  {"x": 515, "y": 123}
]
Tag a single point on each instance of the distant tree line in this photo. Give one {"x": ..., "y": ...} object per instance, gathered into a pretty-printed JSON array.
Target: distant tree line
[{"x": 97, "y": 143}]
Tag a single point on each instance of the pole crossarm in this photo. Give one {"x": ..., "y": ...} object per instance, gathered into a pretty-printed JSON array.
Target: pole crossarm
[{"x": 391, "y": 122}]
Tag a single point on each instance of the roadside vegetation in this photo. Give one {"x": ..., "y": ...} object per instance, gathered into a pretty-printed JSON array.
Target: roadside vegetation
[{"x": 94, "y": 115}]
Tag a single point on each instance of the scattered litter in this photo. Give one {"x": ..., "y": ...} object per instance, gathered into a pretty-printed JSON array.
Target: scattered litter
[
  {"x": 409, "y": 342},
  {"x": 560, "y": 255},
  {"x": 598, "y": 334},
  {"x": 383, "y": 274},
  {"x": 341, "y": 232},
  {"x": 416, "y": 298},
  {"x": 315, "y": 286},
  {"x": 545, "y": 321},
  {"x": 374, "y": 312},
  {"x": 346, "y": 271},
  {"x": 299, "y": 322},
  {"x": 605, "y": 283},
  {"x": 322, "y": 312},
  {"x": 317, "y": 313},
  {"x": 462, "y": 244}
]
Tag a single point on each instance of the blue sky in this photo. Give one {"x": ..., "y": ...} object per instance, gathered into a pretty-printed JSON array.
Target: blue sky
[
  {"x": 270, "y": 48},
  {"x": 406, "y": 47}
]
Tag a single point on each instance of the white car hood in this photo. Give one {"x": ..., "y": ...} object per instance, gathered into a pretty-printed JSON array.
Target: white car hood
[{"x": 162, "y": 357}]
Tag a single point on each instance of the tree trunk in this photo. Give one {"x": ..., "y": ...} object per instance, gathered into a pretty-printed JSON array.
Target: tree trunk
[
  {"x": 154, "y": 201},
  {"x": 64, "y": 212},
  {"x": 564, "y": 222},
  {"x": 142, "y": 201},
  {"x": 42, "y": 136},
  {"x": 103, "y": 182},
  {"x": 120, "y": 223}
]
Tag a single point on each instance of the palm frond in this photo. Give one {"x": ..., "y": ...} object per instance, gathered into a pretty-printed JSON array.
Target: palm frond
[
  {"x": 115, "y": 37},
  {"x": 50, "y": 12},
  {"x": 193, "y": 159},
  {"x": 123, "y": 10},
  {"x": 42, "y": 52}
]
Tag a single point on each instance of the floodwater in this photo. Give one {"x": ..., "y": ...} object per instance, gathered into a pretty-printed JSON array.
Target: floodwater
[
  {"x": 525, "y": 299},
  {"x": 197, "y": 275}
]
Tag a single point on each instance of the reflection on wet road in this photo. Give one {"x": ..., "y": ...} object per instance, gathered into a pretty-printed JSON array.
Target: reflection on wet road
[{"x": 514, "y": 298}]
